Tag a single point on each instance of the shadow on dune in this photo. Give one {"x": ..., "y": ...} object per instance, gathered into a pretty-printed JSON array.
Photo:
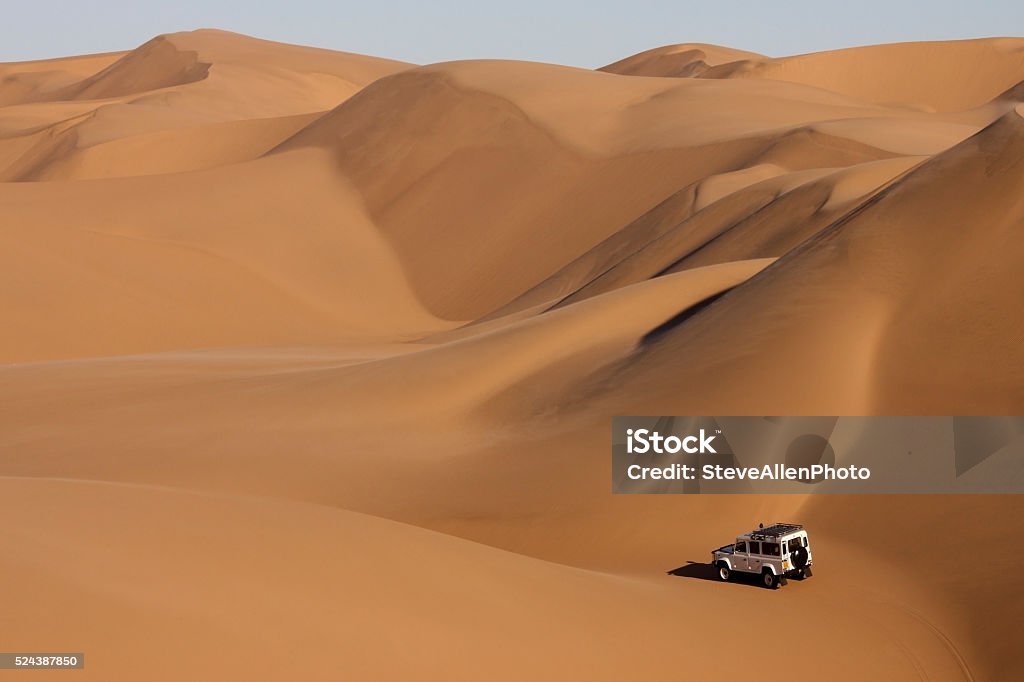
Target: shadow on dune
[
  {"x": 679, "y": 318},
  {"x": 701, "y": 571}
]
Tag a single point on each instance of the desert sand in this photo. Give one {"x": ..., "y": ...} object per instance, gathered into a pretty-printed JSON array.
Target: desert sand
[{"x": 309, "y": 358}]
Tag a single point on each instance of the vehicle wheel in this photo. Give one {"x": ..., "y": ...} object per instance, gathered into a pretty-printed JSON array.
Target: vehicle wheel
[
  {"x": 724, "y": 573},
  {"x": 770, "y": 580},
  {"x": 807, "y": 572}
]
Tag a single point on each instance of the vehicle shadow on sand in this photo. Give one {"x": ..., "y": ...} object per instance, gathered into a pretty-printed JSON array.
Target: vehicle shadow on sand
[{"x": 699, "y": 571}]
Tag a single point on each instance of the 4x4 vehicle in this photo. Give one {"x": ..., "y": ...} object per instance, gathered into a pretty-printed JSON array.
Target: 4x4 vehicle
[{"x": 779, "y": 551}]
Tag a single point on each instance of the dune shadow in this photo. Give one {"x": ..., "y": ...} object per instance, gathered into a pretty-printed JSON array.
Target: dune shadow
[
  {"x": 680, "y": 317},
  {"x": 702, "y": 571},
  {"x": 694, "y": 569}
]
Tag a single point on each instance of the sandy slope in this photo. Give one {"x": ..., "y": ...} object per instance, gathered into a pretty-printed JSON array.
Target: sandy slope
[
  {"x": 914, "y": 274},
  {"x": 309, "y": 357},
  {"x": 153, "y": 263},
  {"x": 41, "y": 79},
  {"x": 162, "y": 584}
]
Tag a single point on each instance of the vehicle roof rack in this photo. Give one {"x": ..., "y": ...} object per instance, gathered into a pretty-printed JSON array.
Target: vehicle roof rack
[{"x": 774, "y": 531}]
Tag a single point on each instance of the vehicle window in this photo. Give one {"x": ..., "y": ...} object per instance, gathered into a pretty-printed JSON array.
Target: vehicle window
[
  {"x": 741, "y": 547},
  {"x": 770, "y": 548},
  {"x": 754, "y": 549}
]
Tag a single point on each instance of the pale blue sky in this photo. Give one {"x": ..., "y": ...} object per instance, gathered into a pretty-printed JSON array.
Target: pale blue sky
[{"x": 577, "y": 32}]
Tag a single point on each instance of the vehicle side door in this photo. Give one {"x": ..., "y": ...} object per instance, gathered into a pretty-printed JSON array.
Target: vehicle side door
[
  {"x": 754, "y": 556},
  {"x": 771, "y": 555},
  {"x": 739, "y": 556}
]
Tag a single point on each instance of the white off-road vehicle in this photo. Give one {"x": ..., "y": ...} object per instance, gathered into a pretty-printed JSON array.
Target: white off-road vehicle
[{"x": 779, "y": 551}]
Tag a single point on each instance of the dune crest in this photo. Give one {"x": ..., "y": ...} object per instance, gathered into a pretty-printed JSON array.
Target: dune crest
[
  {"x": 678, "y": 61},
  {"x": 157, "y": 64}
]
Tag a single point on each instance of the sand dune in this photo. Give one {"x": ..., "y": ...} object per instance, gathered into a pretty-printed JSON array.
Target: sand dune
[
  {"x": 179, "y": 102},
  {"x": 924, "y": 228},
  {"x": 936, "y": 76},
  {"x": 502, "y": 131},
  {"x": 679, "y": 61},
  {"x": 313, "y": 354}
]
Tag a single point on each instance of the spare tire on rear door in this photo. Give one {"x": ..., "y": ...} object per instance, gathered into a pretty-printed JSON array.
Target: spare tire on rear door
[{"x": 799, "y": 557}]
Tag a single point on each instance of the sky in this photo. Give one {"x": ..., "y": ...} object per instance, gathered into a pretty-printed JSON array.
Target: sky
[{"x": 574, "y": 32}]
